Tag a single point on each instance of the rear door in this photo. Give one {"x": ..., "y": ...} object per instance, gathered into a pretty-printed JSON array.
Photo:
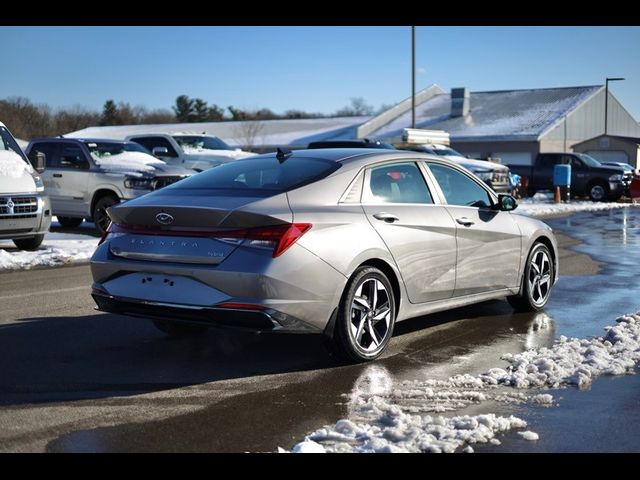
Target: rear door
[
  {"x": 419, "y": 233},
  {"x": 488, "y": 241},
  {"x": 70, "y": 176}
]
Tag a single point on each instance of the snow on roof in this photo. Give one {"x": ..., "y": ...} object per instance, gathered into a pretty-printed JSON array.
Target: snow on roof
[
  {"x": 497, "y": 115},
  {"x": 271, "y": 132}
]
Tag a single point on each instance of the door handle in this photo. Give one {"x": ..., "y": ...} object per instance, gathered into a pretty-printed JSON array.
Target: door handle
[
  {"x": 386, "y": 217},
  {"x": 464, "y": 221},
  {"x": 57, "y": 175}
]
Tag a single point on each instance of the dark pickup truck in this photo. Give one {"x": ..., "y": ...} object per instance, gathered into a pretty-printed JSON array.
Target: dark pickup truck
[{"x": 588, "y": 176}]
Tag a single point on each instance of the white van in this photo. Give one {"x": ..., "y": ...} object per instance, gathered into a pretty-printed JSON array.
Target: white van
[{"x": 25, "y": 211}]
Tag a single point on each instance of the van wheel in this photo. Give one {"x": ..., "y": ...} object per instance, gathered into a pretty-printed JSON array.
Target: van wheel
[
  {"x": 100, "y": 217},
  {"x": 536, "y": 281},
  {"x": 70, "y": 222},
  {"x": 366, "y": 316},
  {"x": 31, "y": 243},
  {"x": 177, "y": 330}
]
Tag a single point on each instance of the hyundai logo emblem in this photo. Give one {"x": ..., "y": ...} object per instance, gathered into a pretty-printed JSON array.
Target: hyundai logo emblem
[{"x": 164, "y": 218}]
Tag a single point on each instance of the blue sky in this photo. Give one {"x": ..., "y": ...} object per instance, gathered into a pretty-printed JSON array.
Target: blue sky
[{"x": 311, "y": 68}]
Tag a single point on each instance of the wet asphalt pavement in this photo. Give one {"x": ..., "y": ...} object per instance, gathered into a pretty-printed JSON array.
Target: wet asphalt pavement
[{"x": 74, "y": 380}]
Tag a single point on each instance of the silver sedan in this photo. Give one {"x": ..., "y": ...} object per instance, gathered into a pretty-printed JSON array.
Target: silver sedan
[{"x": 343, "y": 242}]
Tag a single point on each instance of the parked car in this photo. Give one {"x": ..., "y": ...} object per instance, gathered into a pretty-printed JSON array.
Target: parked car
[
  {"x": 343, "y": 242},
  {"x": 194, "y": 151},
  {"x": 493, "y": 174},
  {"x": 364, "y": 143},
  {"x": 86, "y": 176},
  {"x": 588, "y": 176},
  {"x": 25, "y": 211}
]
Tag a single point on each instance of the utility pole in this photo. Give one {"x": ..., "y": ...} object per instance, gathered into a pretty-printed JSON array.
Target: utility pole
[
  {"x": 606, "y": 99},
  {"x": 413, "y": 77}
]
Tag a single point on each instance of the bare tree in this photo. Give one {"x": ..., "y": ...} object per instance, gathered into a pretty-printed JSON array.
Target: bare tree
[{"x": 247, "y": 131}]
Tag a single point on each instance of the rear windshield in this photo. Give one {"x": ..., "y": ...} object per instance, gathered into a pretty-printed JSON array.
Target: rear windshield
[{"x": 261, "y": 177}]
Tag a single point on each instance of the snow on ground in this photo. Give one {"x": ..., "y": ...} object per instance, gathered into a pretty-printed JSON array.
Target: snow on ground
[
  {"x": 541, "y": 204},
  {"x": 57, "y": 249},
  {"x": 391, "y": 418}
]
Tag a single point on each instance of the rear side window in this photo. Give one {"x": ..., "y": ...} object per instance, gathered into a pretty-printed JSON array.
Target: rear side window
[
  {"x": 259, "y": 176},
  {"x": 397, "y": 183}
]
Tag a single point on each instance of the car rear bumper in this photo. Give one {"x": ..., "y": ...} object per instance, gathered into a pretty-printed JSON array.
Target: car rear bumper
[
  {"x": 294, "y": 292},
  {"x": 267, "y": 320}
]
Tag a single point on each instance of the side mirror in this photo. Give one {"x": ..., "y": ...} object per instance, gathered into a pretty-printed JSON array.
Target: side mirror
[
  {"x": 37, "y": 160},
  {"x": 159, "y": 151},
  {"x": 506, "y": 203}
]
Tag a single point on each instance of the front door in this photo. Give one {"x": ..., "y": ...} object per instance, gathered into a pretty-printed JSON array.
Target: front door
[
  {"x": 489, "y": 241},
  {"x": 419, "y": 234}
]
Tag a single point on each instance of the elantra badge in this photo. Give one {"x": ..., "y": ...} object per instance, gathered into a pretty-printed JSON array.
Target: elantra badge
[{"x": 164, "y": 218}]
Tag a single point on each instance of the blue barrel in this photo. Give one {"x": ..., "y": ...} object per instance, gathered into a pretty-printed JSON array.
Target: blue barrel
[{"x": 562, "y": 176}]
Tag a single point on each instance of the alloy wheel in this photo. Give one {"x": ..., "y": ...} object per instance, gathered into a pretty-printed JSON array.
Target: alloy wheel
[
  {"x": 371, "y": 315},
  {"x": 539, "y": 278}
]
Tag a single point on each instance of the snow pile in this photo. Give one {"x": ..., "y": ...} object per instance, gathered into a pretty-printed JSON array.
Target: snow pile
[
  {"x": 57, "y": 249},
  {"x": 386, "y": 428},
  {"x": 388, "y": 418},
  {"x": 573, "y": 361},
  {"x": 11, "y": 165},
  {"x": 132, "y": 163},
  {"x": 541, "y": 209}
]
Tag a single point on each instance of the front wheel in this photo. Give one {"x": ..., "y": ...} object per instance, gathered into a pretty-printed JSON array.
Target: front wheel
[
  {"x": 598, "y": 192},
  {"x": 31, "y": 243},
  {"x": 70, "y": 222},
  {"x": 100, "y": 217},
  {"x": 536, "y": 281},
  {"x": 366, "y": 316}
]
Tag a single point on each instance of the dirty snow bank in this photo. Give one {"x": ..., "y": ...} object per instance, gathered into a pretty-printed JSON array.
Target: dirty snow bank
[
  {"x": 11, "y": 165},
  {"x": 542, "y": 204},
  {"x": 56, "y": 250},
  {"x": 386, "y": 418}
]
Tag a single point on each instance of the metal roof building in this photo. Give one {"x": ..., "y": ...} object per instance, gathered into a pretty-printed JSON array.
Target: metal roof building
[{"x": 513, "y": 125}]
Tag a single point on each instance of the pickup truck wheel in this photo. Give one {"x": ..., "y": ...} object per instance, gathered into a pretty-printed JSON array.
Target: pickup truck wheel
[
  {"x": 31, "y": 243},
  {"x": 100, "y": 217},
  {"x": 598, "y": 192},
  {"x": 70, "y": 222}
]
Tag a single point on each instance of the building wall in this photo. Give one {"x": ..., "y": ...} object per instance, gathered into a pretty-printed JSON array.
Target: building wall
[
  {"x": 630, "y": 148},
  {"x": 586, "y": 122}
]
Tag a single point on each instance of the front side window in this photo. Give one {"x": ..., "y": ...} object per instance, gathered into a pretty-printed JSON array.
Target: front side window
[
  {"x": 7, "y": 143},
  {"x": 397, "y": 183},
  {"x": 71, "y": 156},
  {"x": 458, "y": 189},
  {"x": 151, "y": 142}
]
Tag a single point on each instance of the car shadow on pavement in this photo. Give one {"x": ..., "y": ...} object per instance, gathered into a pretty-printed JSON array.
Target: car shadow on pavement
[{"x": 102, "y": 355}]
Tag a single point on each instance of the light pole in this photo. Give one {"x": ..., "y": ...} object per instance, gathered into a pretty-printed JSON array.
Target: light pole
[
  {"x": 606, "y": 99},
  {"x": 413, "y": 77}
]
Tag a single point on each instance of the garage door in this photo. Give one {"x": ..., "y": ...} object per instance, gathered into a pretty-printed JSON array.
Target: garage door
[
  {"x": 513, "y": 158},
  {"x": 609, "y": 155}
]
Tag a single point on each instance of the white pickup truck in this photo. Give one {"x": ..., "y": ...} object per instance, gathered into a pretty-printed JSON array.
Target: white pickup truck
[
  {"x": 25, "y": 211},
  {"x": 195, "y": 151}
]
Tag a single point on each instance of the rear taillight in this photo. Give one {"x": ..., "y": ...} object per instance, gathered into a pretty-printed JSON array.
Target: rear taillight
[
  {"x": 278, "y": 237},
  {"x": 275, "y": 237}
]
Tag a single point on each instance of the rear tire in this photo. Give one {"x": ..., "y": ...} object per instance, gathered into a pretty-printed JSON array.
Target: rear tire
[
  {"x": 178, "y": 330},
  {"x": 366, "y": 316},
  {"x": 31, "y": 243},
  {"x": 70, "y": 222},
  {"x": 536, "y": 281},
  {"x": 100, "y": 217}
]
